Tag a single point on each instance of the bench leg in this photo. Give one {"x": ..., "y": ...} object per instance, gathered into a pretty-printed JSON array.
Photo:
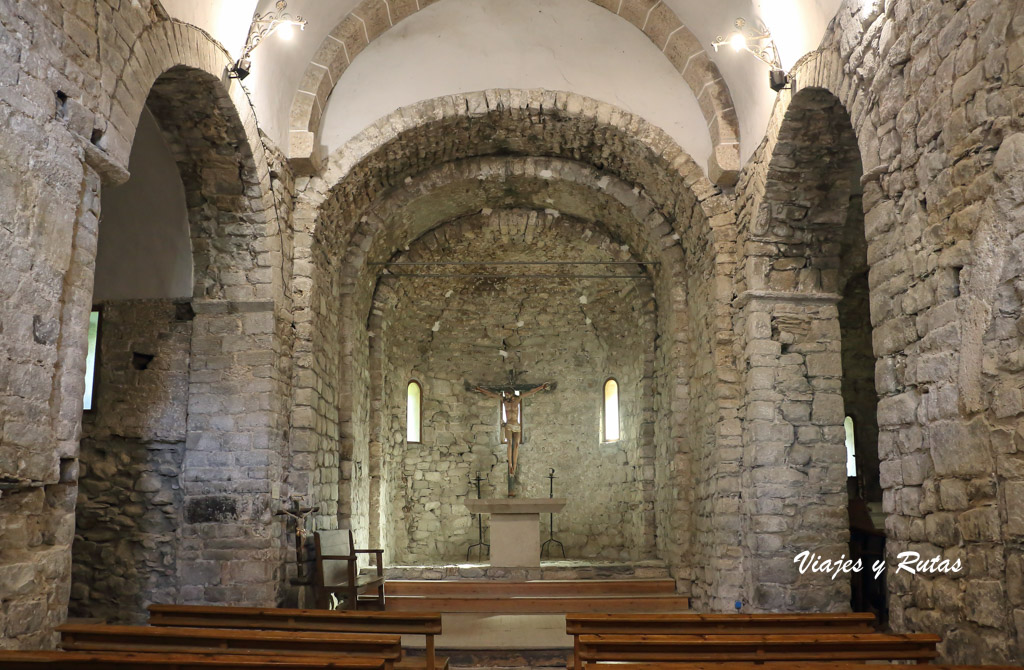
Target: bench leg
[{"x": 430, "y": 652}]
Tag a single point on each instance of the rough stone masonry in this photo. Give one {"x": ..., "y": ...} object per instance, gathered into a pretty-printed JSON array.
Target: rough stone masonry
[{"x": 889, "y": 177}]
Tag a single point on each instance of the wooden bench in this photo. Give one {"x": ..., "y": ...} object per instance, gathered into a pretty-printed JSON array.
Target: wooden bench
[
  {"x": 104, "y": 660},
  {"x": 233, "y": 641},
  {"x": 337, "y": 582},
  {"x": 271, "y": 618},
  {"x": 578, "y": 624},
  {"x": 760, "y": 648},
  {"x": 790, "y": 665}
]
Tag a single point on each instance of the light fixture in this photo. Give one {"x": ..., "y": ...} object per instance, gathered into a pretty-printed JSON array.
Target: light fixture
[
  {"x": 758, "y": 41},
  {"x": 262, "y": 27}
]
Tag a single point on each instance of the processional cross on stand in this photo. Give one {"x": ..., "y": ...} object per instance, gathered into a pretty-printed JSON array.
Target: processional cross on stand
[{"x": 511, "y": 397}]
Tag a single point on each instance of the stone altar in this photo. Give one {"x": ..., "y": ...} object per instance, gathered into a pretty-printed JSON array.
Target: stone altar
[{"x": 515, "y": 527}]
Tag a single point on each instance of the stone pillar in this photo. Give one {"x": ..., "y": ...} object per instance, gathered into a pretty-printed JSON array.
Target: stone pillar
[
  {"x": 232, "y": 547},
  {"x": 794, "y": 462}
]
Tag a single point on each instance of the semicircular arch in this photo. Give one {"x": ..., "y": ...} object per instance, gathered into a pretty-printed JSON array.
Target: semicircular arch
[{"x": 372, "y": 18}]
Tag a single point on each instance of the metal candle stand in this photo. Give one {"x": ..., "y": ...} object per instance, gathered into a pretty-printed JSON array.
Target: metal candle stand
[
  {"x": 479, "y": 527},
  {"x": 551, "y": 520}
]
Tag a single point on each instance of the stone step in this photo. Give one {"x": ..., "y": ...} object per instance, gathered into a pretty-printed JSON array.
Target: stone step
[
  {"x": 510, "y": 659},
  {"x": 472, "y": 588},
  {"x": 568, "y": 569},
  {"x": 540, "y": 605}
]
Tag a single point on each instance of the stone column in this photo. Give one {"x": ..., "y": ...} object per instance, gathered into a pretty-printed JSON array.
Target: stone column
[
  {"x": 232, "y": 547},
  {"x": 794, "y": 462}
]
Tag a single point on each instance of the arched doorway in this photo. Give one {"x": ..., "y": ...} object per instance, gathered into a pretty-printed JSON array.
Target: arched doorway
[
  {"x": 532, "y": 150},
  {"x": 806, "y": 314},
  {"x": 175, "y": 466}
]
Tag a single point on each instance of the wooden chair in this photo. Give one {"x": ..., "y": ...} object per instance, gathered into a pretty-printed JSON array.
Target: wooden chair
[
  {"x": 337, "y": 582},
  {"x": 276, "y": 618}
]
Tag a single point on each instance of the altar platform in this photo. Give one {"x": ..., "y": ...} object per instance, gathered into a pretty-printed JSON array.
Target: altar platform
[
  {"x": 548, "y": 569},
  {"x": 489, "y": 612}
]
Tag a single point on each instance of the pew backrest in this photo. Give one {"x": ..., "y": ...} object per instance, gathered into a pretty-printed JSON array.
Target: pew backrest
[
  {"x": 427, "y": 624},
  {"x": 790, "y": 665},
  {"x": 689, "y": 623},
  {"x": 226, "y": 640},
  {"x": 691, "y": 648},
  {"x": 725, "y": 624},
  {"x": 109, "y": 660}
]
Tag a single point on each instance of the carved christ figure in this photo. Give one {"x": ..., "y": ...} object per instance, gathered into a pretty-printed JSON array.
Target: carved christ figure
[{"x": 512, "y": 425}]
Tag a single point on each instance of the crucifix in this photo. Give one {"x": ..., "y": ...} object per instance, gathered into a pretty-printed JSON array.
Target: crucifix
[
  {"x": 511, "y": 397},
  {"x": 298, "y": 514}
]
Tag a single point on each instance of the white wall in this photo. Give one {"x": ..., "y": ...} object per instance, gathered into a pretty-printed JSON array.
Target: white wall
[
  {"x": 226, "y": 21},
  {"x": 469, "y": 45},
  {"x": 796, "y": 25},
  {"x": 278, "y": 65},
  {"x": 144, "y": 248}
]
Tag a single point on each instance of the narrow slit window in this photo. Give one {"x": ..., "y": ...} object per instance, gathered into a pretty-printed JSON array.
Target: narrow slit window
[
  {"x": 611, "y": 411},
  {"x": 414, "y": 406},
  {"x": 90, "y": 361},
  {"x": 851, "y": 448}
]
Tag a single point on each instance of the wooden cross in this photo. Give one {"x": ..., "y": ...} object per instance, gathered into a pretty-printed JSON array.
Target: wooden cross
[{"x": 511, "y": 397}]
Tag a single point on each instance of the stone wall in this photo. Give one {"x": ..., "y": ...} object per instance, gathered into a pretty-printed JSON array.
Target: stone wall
[
  {"x": 130, "y": 493},
  {"x": 437, "y": 160},
  {"x": 446, "y": 332},
  {"x": 800, "y": 246},
  {"x": 929, "y": 89},
  {"x": 75, "y": 78},
  {"x": 748, "y": 391}
]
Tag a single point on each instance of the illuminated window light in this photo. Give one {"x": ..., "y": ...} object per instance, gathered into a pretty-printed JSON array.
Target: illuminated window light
[
  {"x": 611, "y": 411},
  {"x": 414, "y": 413},
  {"x": 851, "y": 450},
  {"x": 88, "y": 401}
]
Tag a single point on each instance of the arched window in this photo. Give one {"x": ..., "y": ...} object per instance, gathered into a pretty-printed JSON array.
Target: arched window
[
  {"x": 851, "y": 448},
  {"x": 88, "y": 401},
  {"x": 414, "y": 414},
  {"x": 611, "y": 411}
]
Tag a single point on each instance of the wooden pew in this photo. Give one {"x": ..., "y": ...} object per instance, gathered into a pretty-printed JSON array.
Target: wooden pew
[
  {"x": 226, "y": 640},
  {"x": 332, "y": 621},
  {"x": 790, "y": 665},
  {"x": 703, "y": 624},
  {"x": 760, "y": 648},
  {"x": 104, "y": 660}
]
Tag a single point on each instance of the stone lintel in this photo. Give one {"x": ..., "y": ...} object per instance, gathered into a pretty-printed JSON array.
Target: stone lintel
[{"x": 743, "y": 299}]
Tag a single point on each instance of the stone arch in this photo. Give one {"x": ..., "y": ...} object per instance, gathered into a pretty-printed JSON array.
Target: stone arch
[
  {"x": 802, "y": 226},
  {"x": 169, "y": 58},
  {"x": 654, "y": 18},
  {"x": 613, "y": 525},
  {"x": 642, "y": 165},
  {"x": 225, "y": 344},
  {"x": 160, "y": 47},
  {"x": 821, "y": 69}
]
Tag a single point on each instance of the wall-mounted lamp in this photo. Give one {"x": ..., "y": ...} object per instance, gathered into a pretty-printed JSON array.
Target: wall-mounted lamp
[
  {"x": 274, "y": 21},
  {"x": 758, "y": 41}
]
